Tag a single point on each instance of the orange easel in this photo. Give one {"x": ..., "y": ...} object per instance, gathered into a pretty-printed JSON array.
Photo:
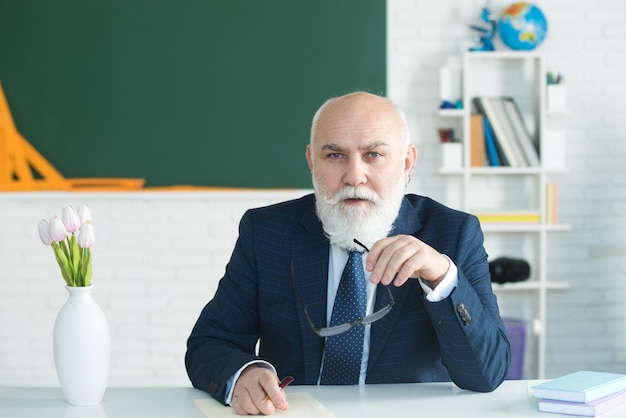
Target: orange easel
[{"x": 23, "y": 168}]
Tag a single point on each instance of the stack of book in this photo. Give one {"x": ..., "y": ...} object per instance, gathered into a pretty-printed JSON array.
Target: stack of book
[
  {"x": 500, "y": 125},
  {"x": 582, "y": 393}
]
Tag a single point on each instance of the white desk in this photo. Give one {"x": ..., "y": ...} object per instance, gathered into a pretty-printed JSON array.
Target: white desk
[{"x": 512, "y": 399}]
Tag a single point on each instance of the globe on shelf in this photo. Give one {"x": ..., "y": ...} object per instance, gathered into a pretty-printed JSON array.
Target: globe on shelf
[{"x": 522, "y": 26}]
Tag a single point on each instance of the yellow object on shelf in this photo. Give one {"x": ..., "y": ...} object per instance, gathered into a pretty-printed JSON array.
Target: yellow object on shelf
[{"x": 509, "y": 217}]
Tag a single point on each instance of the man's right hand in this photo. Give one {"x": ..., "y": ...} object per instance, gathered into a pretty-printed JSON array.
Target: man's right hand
[{"x": 253, "y": 385}]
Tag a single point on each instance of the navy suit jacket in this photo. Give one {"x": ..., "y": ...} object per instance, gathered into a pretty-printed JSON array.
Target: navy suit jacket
[{"x": 461, "y": 338}]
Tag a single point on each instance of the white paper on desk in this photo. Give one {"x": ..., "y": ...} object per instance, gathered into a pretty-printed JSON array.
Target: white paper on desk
[{"x": 301, "y": 404}]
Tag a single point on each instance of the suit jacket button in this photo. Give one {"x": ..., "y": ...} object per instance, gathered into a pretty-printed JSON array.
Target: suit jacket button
[
  {"x": 214, "y": 387},
  {"x": 465, "y": 315}
]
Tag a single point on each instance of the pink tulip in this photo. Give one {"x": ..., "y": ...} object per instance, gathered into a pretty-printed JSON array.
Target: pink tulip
[
  {"x": 83, "y": 213},
  {"x": 86, "y": 237},
  {"x": 57, "y": 230},
  {"x": 44, "y": 232},
  {"x": 70, "y": 219}
]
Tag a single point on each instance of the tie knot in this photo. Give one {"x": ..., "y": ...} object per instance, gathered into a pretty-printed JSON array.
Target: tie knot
[
  {"x": 355, "y": 262},
  {"x": 354, "y": 256}
]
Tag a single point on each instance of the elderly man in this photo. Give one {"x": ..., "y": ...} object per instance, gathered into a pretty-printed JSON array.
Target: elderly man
[{"x": 416, "y": 304}]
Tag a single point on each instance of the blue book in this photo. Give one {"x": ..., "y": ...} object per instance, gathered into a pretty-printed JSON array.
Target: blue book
[
  {"x": 581, "y": 386},
  {"x": 490, "y": 144},
  {"x": 587, "y": 409}
]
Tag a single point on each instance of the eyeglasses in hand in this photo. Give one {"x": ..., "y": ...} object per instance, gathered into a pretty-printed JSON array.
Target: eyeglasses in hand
[{"x": 340, "y": 329}]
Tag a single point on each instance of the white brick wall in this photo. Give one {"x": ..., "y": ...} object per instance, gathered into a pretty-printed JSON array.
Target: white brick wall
[{"x": 158, "y": 256}]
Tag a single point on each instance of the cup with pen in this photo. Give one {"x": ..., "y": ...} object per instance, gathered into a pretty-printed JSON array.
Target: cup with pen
[
  {"x": 451, "y": 149},
  {"x": 555, "y": 92}
]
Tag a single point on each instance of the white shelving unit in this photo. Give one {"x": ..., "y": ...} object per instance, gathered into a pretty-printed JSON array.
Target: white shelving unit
[{"x": 521, "y": 75}]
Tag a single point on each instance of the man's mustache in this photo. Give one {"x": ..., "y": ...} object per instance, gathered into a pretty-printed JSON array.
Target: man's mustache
[{"x": 349, "y": 192}]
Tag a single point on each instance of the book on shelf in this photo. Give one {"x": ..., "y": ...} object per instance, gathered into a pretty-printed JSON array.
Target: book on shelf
[
  {"x": 493, "y": 156},
  {"x": 477, "y": 141},
  {"x": 526, "y": 141},
  {"x": 552, "y": 203},
  {"x": 585, "y": 409},
  {"x": 508, "y": 132},
  {"x": 517, "y": 217},
  {"x": 581, "y": 386}
]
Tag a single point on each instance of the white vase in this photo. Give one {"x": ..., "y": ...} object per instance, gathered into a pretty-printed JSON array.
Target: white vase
[{"x": 82, "y": 348}]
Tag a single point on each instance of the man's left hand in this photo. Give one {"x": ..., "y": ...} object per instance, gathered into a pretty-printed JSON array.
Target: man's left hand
[{"x": 399, "y": 258}]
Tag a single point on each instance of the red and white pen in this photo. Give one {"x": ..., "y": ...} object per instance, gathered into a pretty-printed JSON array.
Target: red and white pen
[{"x": 283, "y": 384}]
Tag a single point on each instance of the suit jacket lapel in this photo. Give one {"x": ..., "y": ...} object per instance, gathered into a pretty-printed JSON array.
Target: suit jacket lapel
[{"x": 310, "y": 252}]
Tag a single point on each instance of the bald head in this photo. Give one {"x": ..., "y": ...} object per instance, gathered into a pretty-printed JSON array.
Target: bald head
[{"x": 361, "y": 111}]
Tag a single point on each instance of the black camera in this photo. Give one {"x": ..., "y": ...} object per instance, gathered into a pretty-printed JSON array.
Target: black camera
[{"x": 508, "y": 270}]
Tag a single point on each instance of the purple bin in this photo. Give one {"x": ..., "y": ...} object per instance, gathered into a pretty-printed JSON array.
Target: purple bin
[{"x": 516, "y": 332}]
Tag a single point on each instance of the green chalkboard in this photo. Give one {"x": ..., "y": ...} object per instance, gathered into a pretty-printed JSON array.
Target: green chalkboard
[{"x": 190, "y": 92}]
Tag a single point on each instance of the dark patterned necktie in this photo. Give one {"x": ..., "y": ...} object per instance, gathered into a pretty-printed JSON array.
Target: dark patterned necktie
[{"x": 343, "y": 352}]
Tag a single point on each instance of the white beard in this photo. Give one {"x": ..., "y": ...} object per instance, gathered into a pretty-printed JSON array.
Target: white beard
[{"x": 343, "y": 223}]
